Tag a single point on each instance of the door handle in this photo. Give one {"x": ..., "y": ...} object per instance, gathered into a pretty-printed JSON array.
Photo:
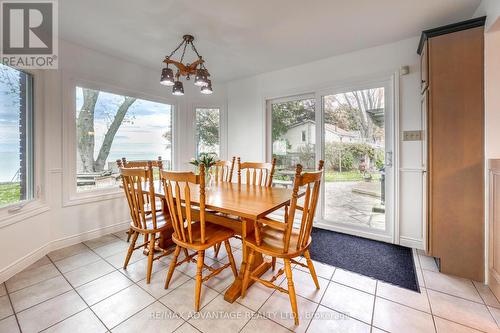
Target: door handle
[{"x": 388, "y": 159}]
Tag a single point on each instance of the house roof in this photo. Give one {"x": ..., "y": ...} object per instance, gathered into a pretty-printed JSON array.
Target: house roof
[{"x": 330, "y": 128}]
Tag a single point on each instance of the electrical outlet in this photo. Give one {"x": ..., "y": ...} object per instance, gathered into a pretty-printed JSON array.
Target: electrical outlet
[{"x": 412, "y": 135}]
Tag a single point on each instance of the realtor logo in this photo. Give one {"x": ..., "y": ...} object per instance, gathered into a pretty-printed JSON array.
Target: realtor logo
[{"x": 29, "y": 34}]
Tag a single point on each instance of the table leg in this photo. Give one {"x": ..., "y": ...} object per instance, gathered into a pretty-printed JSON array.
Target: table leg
[{"x": 234, "y": 291}]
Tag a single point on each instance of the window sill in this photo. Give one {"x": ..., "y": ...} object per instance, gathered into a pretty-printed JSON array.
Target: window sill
[
  {"x": 93, "y": 196},
  {"x": 10, "y": 215}
]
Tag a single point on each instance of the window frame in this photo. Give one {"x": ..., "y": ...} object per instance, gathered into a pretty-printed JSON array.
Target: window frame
[
  {"x": 71, "y": 196},
  {"x": 345, "y": 84},
  {"x": 222, "y": 128},
  {"x": 36, "y": 205},
  {"x": 269, "y": 122}
]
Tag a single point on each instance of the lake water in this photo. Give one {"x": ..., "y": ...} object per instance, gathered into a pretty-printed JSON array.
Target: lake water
[
  {"x": 9, "y": 164},
  {"x": 9, "y": 161}
]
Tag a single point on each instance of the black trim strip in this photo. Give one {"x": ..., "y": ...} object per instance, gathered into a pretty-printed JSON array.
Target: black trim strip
[{"x": 447, "y": 29}]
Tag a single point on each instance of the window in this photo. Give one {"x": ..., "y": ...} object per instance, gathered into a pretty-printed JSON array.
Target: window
[
  {"x": 207, "y": 131},
  {"x": 16, "y": 136},
  {"x": 291, "y": 121},
  {"x": 109, "y": 127}
]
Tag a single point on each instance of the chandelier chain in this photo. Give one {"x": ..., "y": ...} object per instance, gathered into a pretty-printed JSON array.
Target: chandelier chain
[
  {"x": 178, "y": 47},
  {"x": 184, "y": 51},
  {"x": 196, "y": 69}
]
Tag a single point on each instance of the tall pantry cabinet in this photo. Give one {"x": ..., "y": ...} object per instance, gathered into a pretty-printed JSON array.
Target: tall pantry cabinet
[{"x": 452, "y": 72}]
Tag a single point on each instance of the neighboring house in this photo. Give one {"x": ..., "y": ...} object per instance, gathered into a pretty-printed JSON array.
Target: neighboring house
[{"x": 304, "y": 134}]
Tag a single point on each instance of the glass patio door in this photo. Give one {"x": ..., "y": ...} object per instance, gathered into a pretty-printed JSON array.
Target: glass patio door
[{"x": 357, "y": 147}]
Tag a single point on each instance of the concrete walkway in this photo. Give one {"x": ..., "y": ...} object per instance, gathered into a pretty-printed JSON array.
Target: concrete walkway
[{"x": 343, "y": 205}]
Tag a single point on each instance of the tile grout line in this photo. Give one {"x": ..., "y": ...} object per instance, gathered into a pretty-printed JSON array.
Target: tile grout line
[
  {"x": 487, "y": 307},
  {"x": 427, "y": 293},
  {"x": 45, "y": 300},
  {"x": 374, "y": 301},
  {"x": 322, "y": 296},
  {"x": 74, "y": 289},
  {"x": 12, "y": 307},
  {"x": 95, "y": 314},
  {"x": 256, "y": 312},
  {"x": 430, "y": 304},
  {"x": 464, "y": 325}
]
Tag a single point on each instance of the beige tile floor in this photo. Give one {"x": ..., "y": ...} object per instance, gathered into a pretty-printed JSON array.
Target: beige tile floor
[{"x": 82, "y": 288}]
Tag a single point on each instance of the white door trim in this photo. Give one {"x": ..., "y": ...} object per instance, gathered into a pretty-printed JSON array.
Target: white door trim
[{"x": 391, "y": 84}]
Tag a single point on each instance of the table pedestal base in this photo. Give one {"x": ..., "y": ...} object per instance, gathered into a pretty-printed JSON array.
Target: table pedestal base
[{"x": 234, "y": 291}]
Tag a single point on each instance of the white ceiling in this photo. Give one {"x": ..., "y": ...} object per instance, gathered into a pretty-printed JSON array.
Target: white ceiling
[{"x": 240, "y": 38}]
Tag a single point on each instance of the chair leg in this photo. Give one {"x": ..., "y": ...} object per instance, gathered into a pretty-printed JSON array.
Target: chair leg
[
  {"x": 291, "y": 291},
  {"x": 151, "y": 253},
  {"x": 172, "y": 265},
  {"x": 273, "y": 263},
  {"x": 186, "y": 253},
  {"x": 217, "y": 249},
  {"x": 130, "y": 250},
  {"x": 146, "y": 243},
  {"x": 311, "y": 268},
  {"x": 199, "y": 268},
  {"x": 130, "y": 232},
  {"x": 230, "y": 256},
  {"x": 246, "y": 277}
]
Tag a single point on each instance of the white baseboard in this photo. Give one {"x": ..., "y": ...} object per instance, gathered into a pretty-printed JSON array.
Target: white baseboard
[
  {"x": 411, "y": 242},
  {"x": 29, "y": 259}
]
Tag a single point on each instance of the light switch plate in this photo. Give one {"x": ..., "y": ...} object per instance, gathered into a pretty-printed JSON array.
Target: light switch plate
[{"x": 412, "y": 135}]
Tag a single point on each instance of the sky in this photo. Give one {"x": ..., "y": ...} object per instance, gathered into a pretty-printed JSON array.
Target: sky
[
  {"x": 9, "y": 115},
  {"x": 140, "y": 135},
  {"x": 9, "y": 126}
]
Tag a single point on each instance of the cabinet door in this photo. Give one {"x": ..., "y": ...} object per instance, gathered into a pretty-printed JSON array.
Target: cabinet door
[
  {"x": 424, "y": 67},
  {"x": 424, "y": 105},
  {"x": 456, "y": 152}
]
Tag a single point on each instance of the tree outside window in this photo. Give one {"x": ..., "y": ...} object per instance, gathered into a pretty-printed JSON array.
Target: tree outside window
[
  {"x": 109, "y": 127},
  {"x": 207, "y": 131}
]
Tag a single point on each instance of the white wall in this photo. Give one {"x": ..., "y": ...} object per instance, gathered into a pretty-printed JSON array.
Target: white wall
[
  {"x": 246, "y": 113},
  {"x": 490, "y": 8},
  {"x": 25, "y": 239}
]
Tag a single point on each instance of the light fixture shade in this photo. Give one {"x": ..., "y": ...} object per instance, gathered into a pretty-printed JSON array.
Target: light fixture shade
[
  {"x": 167, "y": 77},
  {"x": 207, "y": 90},
  {"x": 200, "y": 78},
  {"x": 178, "y": 89}
]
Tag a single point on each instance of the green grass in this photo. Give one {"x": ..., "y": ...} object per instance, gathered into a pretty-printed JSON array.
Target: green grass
[
  {"x": 9, "y": 193},
  {"x": 331, "y": 176}
]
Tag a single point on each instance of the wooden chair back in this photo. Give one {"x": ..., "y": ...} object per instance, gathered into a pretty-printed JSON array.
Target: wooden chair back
[
  {"x": 174, "y": 183},
  {"x": 312, "y": 181},
  {"x": 140, "y": 164},
  {"x": 257, "y": 173},
  {"x": 139, "y": 190},
  {"x": 224, "y": 171}
]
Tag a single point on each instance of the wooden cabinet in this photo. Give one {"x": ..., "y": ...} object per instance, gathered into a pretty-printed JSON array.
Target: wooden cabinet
[{"x": 452, "y": 88}]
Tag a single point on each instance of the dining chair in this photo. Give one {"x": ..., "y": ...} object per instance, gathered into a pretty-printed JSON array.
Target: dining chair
[
  {"x": 140, "y": 164},
  {"x": 281, "y": 240},
  {"x": 191, "y": 231},
  {"x": 138, "y": 184},
  {"x": 257, "y": 173},
  {"x": 223, "y": 170}
]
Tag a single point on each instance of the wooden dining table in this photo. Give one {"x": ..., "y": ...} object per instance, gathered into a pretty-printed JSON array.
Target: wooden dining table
[{"x": 241, "y": 206}]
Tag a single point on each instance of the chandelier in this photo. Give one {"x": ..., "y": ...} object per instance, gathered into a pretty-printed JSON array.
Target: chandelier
[{"x": 197, "y": 68}]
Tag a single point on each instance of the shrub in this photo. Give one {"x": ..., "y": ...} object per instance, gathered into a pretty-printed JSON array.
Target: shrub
[{"x": 348, "y": 155}]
